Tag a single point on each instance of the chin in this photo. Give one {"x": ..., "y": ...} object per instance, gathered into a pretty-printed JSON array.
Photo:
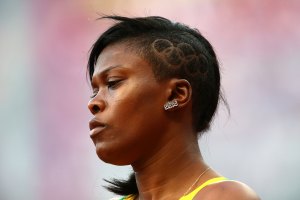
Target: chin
[{"x": 111, "y": 157}]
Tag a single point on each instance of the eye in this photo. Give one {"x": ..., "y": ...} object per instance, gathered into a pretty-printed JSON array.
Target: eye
[{"x": 112, "y": 84}]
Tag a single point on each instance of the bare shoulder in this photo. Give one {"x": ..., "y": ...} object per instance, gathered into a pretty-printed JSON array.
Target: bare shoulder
[{"x": 227, "y": 190}]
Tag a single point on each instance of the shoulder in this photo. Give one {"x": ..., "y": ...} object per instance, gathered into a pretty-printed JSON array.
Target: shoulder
[{"x": 227, "y": 190}]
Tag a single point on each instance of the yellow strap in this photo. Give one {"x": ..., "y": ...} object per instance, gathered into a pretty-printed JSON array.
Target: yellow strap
[
  {"x": 129, "y": 197},
  {"x": 191, "y": 195}
]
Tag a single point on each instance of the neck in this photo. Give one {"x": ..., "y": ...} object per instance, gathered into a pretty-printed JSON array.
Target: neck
[{"x": 169, "y": 171}]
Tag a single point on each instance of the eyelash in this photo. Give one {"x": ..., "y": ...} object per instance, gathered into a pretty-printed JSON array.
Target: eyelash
[
  {"x": 110, "y": 85},
  {"x": 94, "y": 94}
]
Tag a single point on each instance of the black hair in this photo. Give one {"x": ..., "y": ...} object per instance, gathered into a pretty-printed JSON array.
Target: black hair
[{"x": 173, "y": 50}]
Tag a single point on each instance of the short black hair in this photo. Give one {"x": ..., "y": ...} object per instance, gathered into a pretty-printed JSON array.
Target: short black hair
[{"x": 173, "y": 50}]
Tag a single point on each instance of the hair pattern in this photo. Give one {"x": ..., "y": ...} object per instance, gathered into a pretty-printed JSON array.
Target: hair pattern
[{"x": 181, "y": 55}]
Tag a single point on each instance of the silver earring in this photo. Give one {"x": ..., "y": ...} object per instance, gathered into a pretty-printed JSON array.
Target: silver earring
[{"x": 171, "y": 104}]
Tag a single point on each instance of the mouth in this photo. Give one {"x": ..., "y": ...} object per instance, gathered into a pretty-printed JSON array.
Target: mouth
[{"x": 96, "y": 127}]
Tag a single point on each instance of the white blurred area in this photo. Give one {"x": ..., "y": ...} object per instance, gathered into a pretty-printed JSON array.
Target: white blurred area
[
  {"x": 45, "y": 150},
  {"x": 18, "y": 147}
]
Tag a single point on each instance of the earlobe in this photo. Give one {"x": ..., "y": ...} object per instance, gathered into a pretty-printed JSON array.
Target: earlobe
[{"x": 181, "y": 93}]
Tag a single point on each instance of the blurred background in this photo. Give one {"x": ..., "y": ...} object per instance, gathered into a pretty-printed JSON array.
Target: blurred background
[{"x": 45, "y": 149}]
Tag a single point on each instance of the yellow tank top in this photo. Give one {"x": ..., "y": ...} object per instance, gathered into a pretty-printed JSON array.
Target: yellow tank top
[{"x": 192, "y": 194}]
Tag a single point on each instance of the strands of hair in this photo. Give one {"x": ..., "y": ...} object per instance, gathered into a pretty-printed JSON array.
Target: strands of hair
[{"x": 123, "y": 187}]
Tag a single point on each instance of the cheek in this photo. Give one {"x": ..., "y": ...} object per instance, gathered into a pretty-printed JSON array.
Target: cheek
[
  {"x": 135, "y": 113},
  {"x": 140, "y": 115},
  {"x": 135, "y": 95},
  {"x": 136, "y": 99}
]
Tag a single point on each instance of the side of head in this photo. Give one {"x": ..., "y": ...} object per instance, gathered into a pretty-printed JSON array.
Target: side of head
[{"x": 174, "y": 51}]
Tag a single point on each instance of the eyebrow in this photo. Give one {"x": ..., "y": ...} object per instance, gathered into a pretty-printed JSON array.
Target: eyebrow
[{"x": 109, "y": 69}]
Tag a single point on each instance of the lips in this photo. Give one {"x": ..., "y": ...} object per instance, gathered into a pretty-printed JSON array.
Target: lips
[{"x": 96, "y": 127}]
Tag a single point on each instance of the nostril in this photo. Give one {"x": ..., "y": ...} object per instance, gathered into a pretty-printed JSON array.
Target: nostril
[{"x": 95, "y": 109}]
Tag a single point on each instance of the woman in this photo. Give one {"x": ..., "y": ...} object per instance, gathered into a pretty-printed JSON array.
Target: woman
[{"x": 156, "y": 87}]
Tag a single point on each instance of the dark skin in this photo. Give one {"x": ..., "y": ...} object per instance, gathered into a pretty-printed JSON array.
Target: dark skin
[{"x": 132, "y": 128}]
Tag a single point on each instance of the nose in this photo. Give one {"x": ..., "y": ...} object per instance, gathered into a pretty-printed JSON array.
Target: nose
[{"x": 96, "y": 105}]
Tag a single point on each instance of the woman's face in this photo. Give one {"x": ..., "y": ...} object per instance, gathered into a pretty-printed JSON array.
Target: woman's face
[{"x": 127, "y": 105}]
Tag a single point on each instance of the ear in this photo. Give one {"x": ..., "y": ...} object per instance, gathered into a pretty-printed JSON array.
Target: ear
[{"x": 181, "y": 91}]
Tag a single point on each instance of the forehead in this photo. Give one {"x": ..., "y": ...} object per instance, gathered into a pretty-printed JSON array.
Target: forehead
[{"x": 122, "y": 55}]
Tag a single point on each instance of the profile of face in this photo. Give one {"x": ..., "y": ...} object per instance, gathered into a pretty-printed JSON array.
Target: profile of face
[{"x": 127, "y": 105}]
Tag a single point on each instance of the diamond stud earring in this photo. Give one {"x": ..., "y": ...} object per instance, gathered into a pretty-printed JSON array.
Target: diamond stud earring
[{"x": 171, "y": 104}]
